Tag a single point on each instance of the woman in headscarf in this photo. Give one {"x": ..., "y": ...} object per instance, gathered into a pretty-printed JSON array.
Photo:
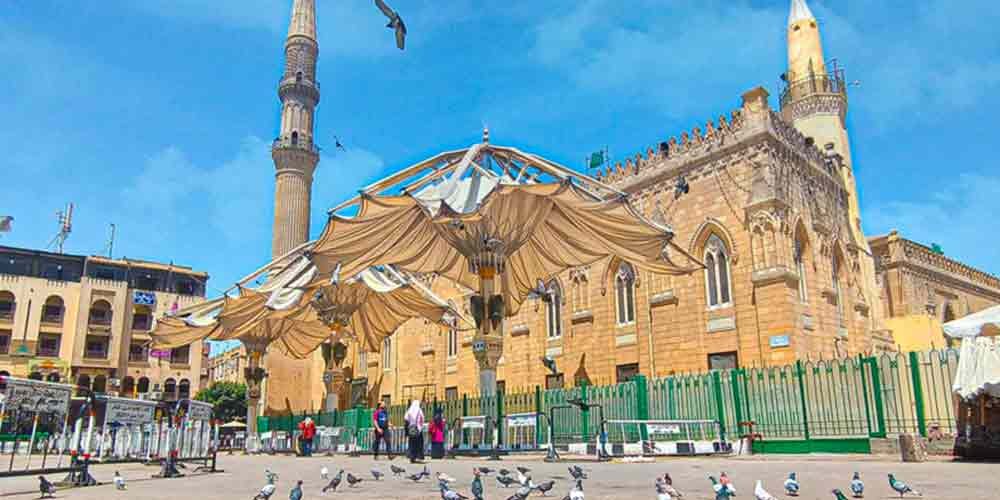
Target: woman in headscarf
[
  {"x": 415, "y": 431},
  {"x": 436, "y": 431}
]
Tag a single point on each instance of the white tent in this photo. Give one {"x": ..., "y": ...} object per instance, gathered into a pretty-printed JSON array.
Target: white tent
[
  {"x": 979, "y": 361},
  {"x": 985, "y": 322}
]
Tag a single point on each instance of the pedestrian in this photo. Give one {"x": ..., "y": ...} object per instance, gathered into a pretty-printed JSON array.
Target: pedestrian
[
  {"x": 436, "y": 430},
  {"x": 308, "y": 428},
  {"x": 415, "y": 431},
  {"x": 380, "y": 421}
]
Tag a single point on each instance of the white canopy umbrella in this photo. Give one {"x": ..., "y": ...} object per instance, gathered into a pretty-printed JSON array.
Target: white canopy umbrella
[{"x": 985, "y": 322}]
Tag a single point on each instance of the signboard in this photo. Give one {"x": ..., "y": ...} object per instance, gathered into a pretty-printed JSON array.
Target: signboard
[
  {"x": 130, "y": 411},
  {"x": 663, "y": 428},
  {"x": 524, "y": 420},
  {"x": 49, "y": 365},
  {"x": 198, "y": 410},
  {"x": 140, "y": 298},
  {"x": 37, "y": 396},
  {"x": 780, "y": 341},
  {"x": 159, "y": 353},
  {"x": 473, "y": 422}
]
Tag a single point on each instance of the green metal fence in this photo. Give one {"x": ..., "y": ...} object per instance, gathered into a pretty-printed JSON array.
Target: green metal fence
[{"x": 830, "y": 405}]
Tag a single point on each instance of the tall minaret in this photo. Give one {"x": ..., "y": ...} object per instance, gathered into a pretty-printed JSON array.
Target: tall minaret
[{"x": 294, "y": 151}]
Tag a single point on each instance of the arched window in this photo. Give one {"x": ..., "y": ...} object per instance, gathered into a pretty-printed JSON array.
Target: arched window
[
  {"x": 835, "y": 270},
  {"x": 100, "y": 384},
  {"x": 35, "y": 376},
  {"x": 52, "y": 311},
  {"x": 170, "y": 389},
  {"x": 143, "y": 386},
  {"x": 82, "y": 385},
  {"x": 553, "y": 310},
  {"x": 298, "y": 77},
  {"x": 53, "y": 377},
  {"x": 184, "y": 389},
  {"x": 100, "y": 313},
  {"x": 8, "y": 305},
  {"x": 717, "y": 272},
  {"x": 387, "y": 353},
  {"x": 128, "y": 386},
  {"x": 800, "y": 266},
  {"x": 142, "y": 318},
  {"x": 452, "y": 342},
  {"x": 295, "y": 138},
  {"x": 625, "y": 294}
]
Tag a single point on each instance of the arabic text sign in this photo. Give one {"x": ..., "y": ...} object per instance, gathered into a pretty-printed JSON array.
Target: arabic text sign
[
  {"x": 664, "y": 428},
  {"x": 199, "y": 411},
  {"x": 521, "y": 421},
  {"x": 34, "y": 395},
  {"x": 131, "y": 412}
]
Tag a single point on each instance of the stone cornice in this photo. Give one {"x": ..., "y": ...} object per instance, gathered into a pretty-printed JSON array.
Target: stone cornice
[{"x": 901, "y": 252}]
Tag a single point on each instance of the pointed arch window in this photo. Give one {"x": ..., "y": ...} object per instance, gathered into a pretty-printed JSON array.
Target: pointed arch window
[
  {"x": 625, "y": 294},
  {"x": 835, "y": 269},
  {"x": 717, "y": 273},
  {"x": 295, "y": 138},
  {"x": 553, "y": 310},
  {"x": 452, "y": 342},
  {"x": 800, "y": 268},
  {"x": 387, "y": 353}
]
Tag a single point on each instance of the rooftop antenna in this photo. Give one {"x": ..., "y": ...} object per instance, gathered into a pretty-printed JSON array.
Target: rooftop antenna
[
  {"x": 65, "y": 227},
  {"x": 110, "y": 246}
]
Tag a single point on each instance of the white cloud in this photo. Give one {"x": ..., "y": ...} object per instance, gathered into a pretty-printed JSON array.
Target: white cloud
[{"x": 951, "y": 216}]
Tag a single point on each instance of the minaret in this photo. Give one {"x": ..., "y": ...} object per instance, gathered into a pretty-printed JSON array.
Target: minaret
[{"x": 294, "y": 151}]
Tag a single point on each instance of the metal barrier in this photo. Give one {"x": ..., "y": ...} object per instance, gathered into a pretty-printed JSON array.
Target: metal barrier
[
  {"x": 665, "y": 437},
  {"x": 34, "y": 416},
  {"x": 521, "y": 432}
]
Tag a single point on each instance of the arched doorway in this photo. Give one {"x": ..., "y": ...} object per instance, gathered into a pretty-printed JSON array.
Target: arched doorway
[
  {"x": 83, "y": 385},
  {"x": 143, "y": 386},
  {"x": 170, "y": 389},
  {"x": 184, "y": 389},
  {"x": 100, "y": 384}
]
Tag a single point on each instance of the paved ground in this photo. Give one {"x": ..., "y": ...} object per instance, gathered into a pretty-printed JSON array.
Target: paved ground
[{"x": 818, "y": 474}]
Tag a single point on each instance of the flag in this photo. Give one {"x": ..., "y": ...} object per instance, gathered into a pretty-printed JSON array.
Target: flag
[
  {"x": 597, "y": 159},
  {"x": 5, "y": 223}
]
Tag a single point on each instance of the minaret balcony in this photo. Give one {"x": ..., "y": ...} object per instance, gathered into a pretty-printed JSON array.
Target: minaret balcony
[
  {"x": 288, "y": 142},
  {"x": 298, "y": 86},
  {"x": 815, "y": 84}
]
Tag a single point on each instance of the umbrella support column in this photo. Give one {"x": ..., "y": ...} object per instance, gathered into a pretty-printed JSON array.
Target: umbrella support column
[
  {"x": 488, "y": 344},
  {"x": 254, "y": 375}
]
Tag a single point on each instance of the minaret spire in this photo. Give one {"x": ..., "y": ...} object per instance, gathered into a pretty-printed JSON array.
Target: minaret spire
[
  {"x": 805, "y": 49},
  {"x": 800, "y": 12},
  {"x": 303, "y": 21}
]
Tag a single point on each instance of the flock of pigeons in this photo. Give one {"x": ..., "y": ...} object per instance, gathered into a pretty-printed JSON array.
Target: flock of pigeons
[{"x": 520, "y": 477}]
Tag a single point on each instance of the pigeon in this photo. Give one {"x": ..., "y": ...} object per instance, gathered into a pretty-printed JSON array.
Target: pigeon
[
  {"x": 485, "y": 471},
  {"x": 268, "y": 489},
  {"x": 681, "y": 187},
  {"x": 504, "y": 472},
  {"x": 576, "y": 493},
  {"x": 477, "y": 484},
  {"x": 550, "y": 364},
  {"x": 577, "y": 472},
  {"x": 396, "y": 470},
  {"x": 324, "y": 473},
  {"x": 505, "y": 481},
  {"x": 415, "y": 477},
  {"x": 395, "y": 23},
  {"x": 448, "y": 494},
  {"x": 296, "y": 493},
  {"x": 518, "y": 496},
  {"x": 119, "y": 481},
  {"x": 442, "y": 477},
  {"x": 353, "y": 481},
  {"x": 759, "y": 493},
  {"x": 723, "y": 489},
  {"x": 337, "y": 144},
  {"x": 377, "y": 474},
  {"x": 839, "y": 495},
  {"x": 46, "y": 488},
  {"x": 792, "y": 485},
  {"x": 665, "y": 488},
  {"x": 332, "y": 485},
  {"x": 523, "y": 470},
  {"x": 857, "y": 486},
  {"x": 545, "y": 487},
  {"x": 901, "y": 487},
  {"x": 522, "y": 476}
]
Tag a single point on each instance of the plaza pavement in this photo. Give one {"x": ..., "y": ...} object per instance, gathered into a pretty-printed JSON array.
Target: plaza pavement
[{"x": 244, "y": 476}]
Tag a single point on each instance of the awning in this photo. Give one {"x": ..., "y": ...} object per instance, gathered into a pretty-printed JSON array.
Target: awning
[
  {"x": 985, "y": 323},
  {"x": 978, "y": 368}
]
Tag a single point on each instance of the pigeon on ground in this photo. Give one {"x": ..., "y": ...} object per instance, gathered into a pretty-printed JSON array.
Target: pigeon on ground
[
  {"x": 505, "y": 481},
  {"x": 296, "y": 493},
  {"x": 415, "y": 477},
  {"x": 723, "y": 490},
  {"x": 518, "y": 496},
  {"x": 477, "y": 484},
  {"x": 396, "y": 470},
  {"x": 901, "y": 487},
  {"x": 324, "y": 473},
  {"x": 504, "y": 472},
  {"x": 523, "y": 478},
  {"x": 576, "y": 493},
  {"x": 377, "y": 474},
  {"x": 265, "y": 492},
  {"x": 46, "y": 488},
  {"x": 332, "y": 485},
  {"x": 353, "y": 481},
  {"x": 448, "y": 494},
  {"x": 119, "y": 481},
  {"x": 792, "y": 485},
  {"x": 485, "y": 471},
  {"x": 577, "y": 472},
  {"x": 857, "y": 486},
  {"x": 544, "y": 488},
  {"x": 839, "y": 495},
  {"x": 665, "y": 488},
  {"x": 395, "y": 23},
  {"x": 759, "y": 493}
]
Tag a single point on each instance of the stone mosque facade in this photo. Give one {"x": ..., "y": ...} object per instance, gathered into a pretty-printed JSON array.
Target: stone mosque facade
[{"x": 771, "y": 209}]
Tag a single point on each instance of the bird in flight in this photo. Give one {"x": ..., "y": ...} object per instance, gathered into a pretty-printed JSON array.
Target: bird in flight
[{"x": 395, "y": 23}]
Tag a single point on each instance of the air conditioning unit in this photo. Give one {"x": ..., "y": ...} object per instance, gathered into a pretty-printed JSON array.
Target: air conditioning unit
[{"x": 151, "y": 396}]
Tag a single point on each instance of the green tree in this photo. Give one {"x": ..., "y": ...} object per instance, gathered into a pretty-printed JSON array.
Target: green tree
[{"x": 229, "y": 398}]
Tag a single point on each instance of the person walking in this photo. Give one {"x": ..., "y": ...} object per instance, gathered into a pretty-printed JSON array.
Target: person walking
[
  {"x": 308, "y": 428},
  {"x": 436, "y": 430},
  {"x": 380, "y": 422},
  {"x": 415, "y": 431}
]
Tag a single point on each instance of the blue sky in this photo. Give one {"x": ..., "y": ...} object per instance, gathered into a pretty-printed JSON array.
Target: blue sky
[{"x": 157, "y": 115}]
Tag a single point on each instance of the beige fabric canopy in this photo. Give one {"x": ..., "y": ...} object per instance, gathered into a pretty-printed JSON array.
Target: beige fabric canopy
[{"x": 464, "y": 215}]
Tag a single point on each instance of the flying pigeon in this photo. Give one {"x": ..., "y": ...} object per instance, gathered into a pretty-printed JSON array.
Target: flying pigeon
[
  {"x": 577, "y": 472},
  {"x": 839, "y": 495},
  {"x": 901, "y": 487},
  {"x": 759, "y": 493},
  {"x": 296, "y": 493},
  {"x": 395, "y": 23},
  {"x": 332, "y": 485},
  {"x": 337, "y": 144},
  {"x": 857, "y": 486},
  {"x": 396, "y": 470},
  {"x": 505, "y": 481},
  {"x": 665, "y": 488},
  {"x": 681, "y": 187},
  {"x": 377, "y": 474},
  {"x": 792, "y": 485},
  {"x": 545, "y": 487},
  {"x": 119, "y": 481},
  {"x": 46, "y": 488},
  {"x": 324, "y": 473},
  {"x": 522, "y": 476},
  {"x": 477, "y": 484},
  {"x": 353, "y": 481}
]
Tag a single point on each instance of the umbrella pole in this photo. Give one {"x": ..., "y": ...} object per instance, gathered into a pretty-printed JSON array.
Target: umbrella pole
[
  {"x": 254, "y": 379},
  {"x": 488, "y": 344}
]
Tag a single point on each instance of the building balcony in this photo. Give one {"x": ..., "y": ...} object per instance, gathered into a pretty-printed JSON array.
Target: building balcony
[
  {"x": 814, "y": 84},
  {"x": 294, "y": 142},
  {"x": 297, "y": 85}
]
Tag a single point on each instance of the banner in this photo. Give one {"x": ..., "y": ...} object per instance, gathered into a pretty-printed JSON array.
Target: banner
[
  {"x": 523, "y": 420},
  {"x": 37, "y": 396},
  {"x": 130, "y": 411},
  {"x": 198, "y": 410}
]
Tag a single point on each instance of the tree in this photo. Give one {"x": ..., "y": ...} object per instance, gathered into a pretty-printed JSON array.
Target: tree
[{"x": 229, "y": 398}]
